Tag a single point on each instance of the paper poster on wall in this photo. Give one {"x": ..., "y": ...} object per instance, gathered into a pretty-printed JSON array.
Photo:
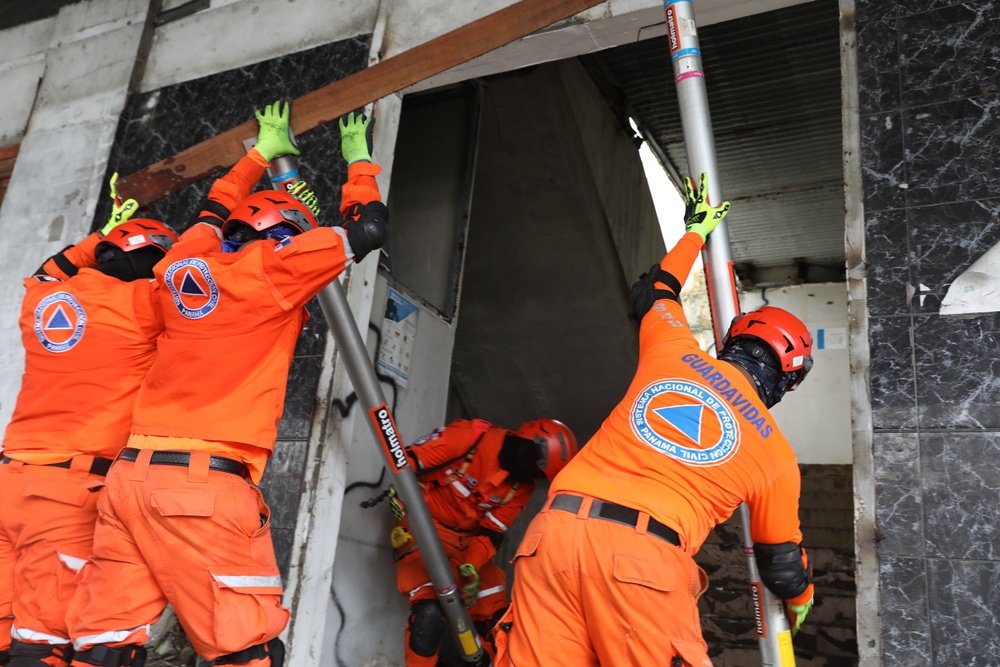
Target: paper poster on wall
[{"x": 398, "y": 330}]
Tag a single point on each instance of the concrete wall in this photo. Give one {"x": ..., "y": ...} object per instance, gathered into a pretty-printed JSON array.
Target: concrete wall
[
  {"x": 816, "y": 417},
  {"x": 929, "y": 149}
]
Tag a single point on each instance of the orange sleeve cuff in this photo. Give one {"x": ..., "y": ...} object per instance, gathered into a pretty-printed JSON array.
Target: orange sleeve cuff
[
  {"x": 239, "y": 182},
  {"x": 360, "y": 187},
  {"x": 81, "y": 256},
  {"x": 681, "y": 258},
  {"x": 803, "y": 597}
]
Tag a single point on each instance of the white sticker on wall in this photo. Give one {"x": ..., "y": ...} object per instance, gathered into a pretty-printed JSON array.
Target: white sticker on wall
[
  {"x": 832, "y": 338},
  {"x": 395, "y": 354}
]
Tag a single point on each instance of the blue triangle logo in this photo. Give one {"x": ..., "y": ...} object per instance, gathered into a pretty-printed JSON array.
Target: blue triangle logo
[
  {"x": 190, "y": 287},
  {"x": 685, "y": 418},
  {"x": 59, "y": 321}
]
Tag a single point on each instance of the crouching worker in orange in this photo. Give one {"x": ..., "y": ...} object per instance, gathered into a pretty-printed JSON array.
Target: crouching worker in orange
[
  {"x": 605, "y": 575},
  {"x": 88, "y": 322},
  {"x": 181, "y": 519},
  {"x": 477, "y": 478}
]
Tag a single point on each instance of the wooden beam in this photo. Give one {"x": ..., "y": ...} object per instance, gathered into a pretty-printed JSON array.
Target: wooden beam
[{"x": 353, "y": 92}]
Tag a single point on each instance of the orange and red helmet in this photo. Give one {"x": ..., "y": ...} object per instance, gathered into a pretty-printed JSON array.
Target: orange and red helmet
[
  {"x": 268, "y": 208},
  {"x": 555, "y": 441},
  {"x": 773, "y": 346},
  {"x": 784, "y": 333},
  {"x": 141, "y": 233}
]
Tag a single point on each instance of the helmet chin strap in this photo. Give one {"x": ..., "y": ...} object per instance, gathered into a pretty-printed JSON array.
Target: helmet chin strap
[{"x": 771, "y": 382}]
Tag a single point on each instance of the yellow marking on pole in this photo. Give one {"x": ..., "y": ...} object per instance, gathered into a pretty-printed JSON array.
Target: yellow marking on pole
[
  {"x": 469, "y": 643},
  {"x": 786, "y": 653}
]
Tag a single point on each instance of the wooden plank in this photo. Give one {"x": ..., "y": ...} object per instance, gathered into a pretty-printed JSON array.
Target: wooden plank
[
  {"x": 7, "y": 156},
  {"x": 353, "y": 92}
]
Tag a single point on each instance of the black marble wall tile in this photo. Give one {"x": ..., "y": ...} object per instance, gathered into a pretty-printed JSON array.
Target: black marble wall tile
[
  {"x": 893, "y": 391},
  {"x": 906, "y": 632},
  {"x": 964, "y": 612},
  {"x": 283, "y": 540},
  {"x": 961, "y": 517},
  {"x": 878, "y": 66},
  {"x": 944, "y": 241},
  {"x": 898, "y": 498},
  {"x": 949, "y": 53},
  {"x": 282, "y": 482},
  {"x": 882, "y": 168},
  {"x": 876, "y": 10},
  {"x": 888, "y": 262},
  {"x": 958, "y": 373},
  {"x": 282, "y": 488},
  {"x": 296, "y": 422},
  {"x": 952, "y": 153}
]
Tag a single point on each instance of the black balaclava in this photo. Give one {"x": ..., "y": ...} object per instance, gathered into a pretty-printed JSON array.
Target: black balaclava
[
  {"x": 757, "y": 358},
  {"x": 519, "y": 457},
  {"x": 127, "y": 266}
]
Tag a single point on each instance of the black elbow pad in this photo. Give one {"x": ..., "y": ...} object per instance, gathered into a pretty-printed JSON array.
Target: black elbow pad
[
  {"x": 784, "y": 568},
  {"x": 644, "y": 294}
]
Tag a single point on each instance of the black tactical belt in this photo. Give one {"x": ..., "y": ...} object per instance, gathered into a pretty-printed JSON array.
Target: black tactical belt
[
  {"x": 601, "y": 509},
  {"x": 98, "y": 467},
  {"x": 183, "y": 459}
]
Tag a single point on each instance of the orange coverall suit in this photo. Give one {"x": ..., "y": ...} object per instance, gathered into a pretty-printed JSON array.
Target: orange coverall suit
[
  {"x": 469, "y": 498},
  {"x": 88, "y": 341},
  {"x": 189, "y": 532},
  {"x": 690, "y": 441}
]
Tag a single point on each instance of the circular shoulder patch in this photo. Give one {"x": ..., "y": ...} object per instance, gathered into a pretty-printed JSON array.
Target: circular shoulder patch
[
  {"x": 193, "y": 288},
  {"x": 60, "y": 322},
  {"x": 677, "y": 428}
]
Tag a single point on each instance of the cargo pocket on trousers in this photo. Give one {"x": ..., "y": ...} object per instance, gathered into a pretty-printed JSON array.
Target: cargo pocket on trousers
[
  {"x": 248, "y": 607},
  {"x": 648, "y": 573},
  {"x": 528, "y": 546},
  {"x": 70, "y": 493},
  {"x": 692, "y": 653},
  {"x": 183, "y": 502}
]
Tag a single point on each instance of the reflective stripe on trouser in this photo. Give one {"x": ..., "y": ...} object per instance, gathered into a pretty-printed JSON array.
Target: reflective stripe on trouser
[
  {"x": 589, "y": 592},
  {"x": 46, "y": 533},
  {"x": 187, "y": 536},
  {"x": 413, "y": 582}
]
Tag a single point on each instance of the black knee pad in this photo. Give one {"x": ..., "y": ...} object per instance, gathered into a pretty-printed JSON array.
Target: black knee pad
[
  {"x": 427, "y": 626},
  {"x": 130, "y": 655},
  {"x": 274, "y": 649}
]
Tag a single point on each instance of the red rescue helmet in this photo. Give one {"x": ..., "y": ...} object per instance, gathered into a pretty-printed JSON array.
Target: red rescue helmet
[
  {"x": 555, "y": 441},
  {"x": 140, "y": 233},
  {"x": 784, "y": 333},
  {"x": 267, "y": 208}
]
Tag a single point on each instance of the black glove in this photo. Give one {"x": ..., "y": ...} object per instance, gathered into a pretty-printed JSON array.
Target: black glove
[{"x": 368, "y": 232}]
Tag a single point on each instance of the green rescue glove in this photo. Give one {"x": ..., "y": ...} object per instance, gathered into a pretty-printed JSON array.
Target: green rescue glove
[
  {"x": 121, "y": 211},
  {"x": 273, "y": 138},
  {"x": 356, "y": 137},
  {"x": 699, "y": 215},
  {"x": 469, "y": 581},
  {"x": 395, "y": 504},
  {"x": 797, "y": 614},
  {"x": 300, "y": 191}
]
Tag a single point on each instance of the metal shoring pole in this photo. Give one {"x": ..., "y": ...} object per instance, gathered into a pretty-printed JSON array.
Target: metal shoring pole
[
  {"x": 773, "y": 631},
  {"x": 354, "y": 352}
]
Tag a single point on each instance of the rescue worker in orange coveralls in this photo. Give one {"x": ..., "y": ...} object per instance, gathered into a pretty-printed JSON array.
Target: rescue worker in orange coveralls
[
  {"x": 182, "y": 520},
  {"x": 88, "y": 324},
  {"x": 477, "y": 478},
  {"x": 605, "y": 575}
]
